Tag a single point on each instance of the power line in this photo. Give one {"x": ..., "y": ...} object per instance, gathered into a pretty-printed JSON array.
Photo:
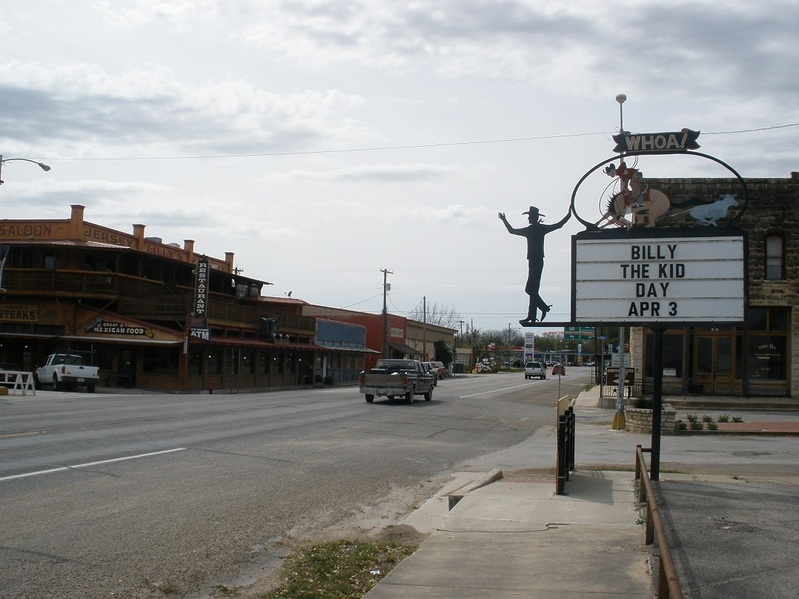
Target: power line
[{"x": 391, "y": 148}]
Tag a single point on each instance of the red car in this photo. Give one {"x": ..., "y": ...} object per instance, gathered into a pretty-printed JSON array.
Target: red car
[{"x": 559, "y": 369}]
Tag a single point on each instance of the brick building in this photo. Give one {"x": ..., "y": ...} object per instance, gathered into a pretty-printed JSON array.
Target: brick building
[{"x": 760, "y": 358}]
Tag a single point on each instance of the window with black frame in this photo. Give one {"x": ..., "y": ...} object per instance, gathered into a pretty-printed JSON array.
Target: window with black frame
[
  {"x": 768, "y": 343},
  {"x": 775, "y": 257}
]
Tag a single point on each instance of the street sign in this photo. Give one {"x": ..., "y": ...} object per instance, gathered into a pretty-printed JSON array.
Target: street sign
[{"x": 578, "y": 333}]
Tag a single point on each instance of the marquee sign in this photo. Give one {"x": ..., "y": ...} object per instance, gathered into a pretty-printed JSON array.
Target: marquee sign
[{"x": 677, "y": 279}]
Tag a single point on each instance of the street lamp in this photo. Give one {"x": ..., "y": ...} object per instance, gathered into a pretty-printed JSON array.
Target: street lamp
[{"x": 42, "y": 165}]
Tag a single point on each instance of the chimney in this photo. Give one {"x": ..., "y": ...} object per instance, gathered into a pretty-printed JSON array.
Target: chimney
[{"x": 76, "y": 221}]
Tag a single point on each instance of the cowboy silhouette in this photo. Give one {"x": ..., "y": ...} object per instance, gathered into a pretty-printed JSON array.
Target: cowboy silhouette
[{"x": 534, "y": 232}]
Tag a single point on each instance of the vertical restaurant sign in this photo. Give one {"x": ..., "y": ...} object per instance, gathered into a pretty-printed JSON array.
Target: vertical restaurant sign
[
  {"x": 201, "y": 288},
  {"x": 198, "y": 323}
]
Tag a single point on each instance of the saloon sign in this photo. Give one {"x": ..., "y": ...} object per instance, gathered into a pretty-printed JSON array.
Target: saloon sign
[{"x": 656, "y": 142}]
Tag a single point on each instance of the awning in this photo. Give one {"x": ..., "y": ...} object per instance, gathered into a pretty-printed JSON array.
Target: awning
[
  {"x": 237, "y": 341},
  {"x": 405, "y": 349},
  {"x": 355, "y": 350},
  {"x": 125, "y": 340},
  {"x": 29, "y": 335}
]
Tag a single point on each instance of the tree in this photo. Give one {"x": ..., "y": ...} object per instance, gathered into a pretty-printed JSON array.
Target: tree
[
  {"x": 443, "y": 352},
  {"x": 437, "y": 314}
]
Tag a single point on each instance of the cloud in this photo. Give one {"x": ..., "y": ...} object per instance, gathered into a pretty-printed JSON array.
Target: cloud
[
  {"x": 83, "y": 107},
  {"x": 400, "y": 173},
  {"x": 580, "y": 46}
]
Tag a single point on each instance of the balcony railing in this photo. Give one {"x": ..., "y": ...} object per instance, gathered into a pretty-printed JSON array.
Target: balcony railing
[
  {"x": 77, "y": 283},
  {"x": 146, "y": 299}
]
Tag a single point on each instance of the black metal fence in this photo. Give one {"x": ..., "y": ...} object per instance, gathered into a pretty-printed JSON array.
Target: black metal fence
[{"x": 565, "y": 458}]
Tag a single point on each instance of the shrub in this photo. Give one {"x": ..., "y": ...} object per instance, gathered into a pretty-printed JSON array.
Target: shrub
[
  {"x": 696, "y": 425},
  {"x": 724, "y": 418}
]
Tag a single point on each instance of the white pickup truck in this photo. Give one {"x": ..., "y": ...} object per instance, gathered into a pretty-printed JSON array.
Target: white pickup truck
[{"x": 66, "y": 371}]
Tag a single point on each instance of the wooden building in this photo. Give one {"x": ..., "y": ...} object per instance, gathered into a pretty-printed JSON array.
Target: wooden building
[{"x": 157, "y": 316}]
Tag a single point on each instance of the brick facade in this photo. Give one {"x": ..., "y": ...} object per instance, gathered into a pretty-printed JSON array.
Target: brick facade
[{"x": 773, "y": 209}]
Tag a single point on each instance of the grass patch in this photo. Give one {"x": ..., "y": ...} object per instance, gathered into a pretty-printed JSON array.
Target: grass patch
[{"x": 337, "y": 569}]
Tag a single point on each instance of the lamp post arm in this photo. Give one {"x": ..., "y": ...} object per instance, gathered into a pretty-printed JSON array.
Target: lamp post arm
[{"x": 41, "y": 165}]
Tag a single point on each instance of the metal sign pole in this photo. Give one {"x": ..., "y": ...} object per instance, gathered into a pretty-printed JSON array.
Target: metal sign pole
[{"x": 657, "y": 402}]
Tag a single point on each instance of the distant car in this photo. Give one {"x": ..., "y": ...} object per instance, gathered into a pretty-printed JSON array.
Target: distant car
[
  {"x": 432, "y": 371},
  {"x": 559, "y": 369},
  {"x": 535, "y": 369},
  {"x": 8, "y": 366},
  {"x": 440, "y": 369}
]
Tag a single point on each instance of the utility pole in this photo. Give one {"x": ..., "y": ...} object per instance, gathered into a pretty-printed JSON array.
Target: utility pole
[
  {"x": 386, "y": 287},
  {"x": 424, "y": 328}
]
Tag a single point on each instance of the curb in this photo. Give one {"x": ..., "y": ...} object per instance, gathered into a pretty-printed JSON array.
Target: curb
[{"x": 491, "y": 476}]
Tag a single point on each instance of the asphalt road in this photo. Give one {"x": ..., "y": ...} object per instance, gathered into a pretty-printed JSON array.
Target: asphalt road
[{"x": 135, "y": 495}]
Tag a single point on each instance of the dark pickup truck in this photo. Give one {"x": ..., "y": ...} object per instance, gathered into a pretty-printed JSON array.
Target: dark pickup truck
[{"x": 397, "y": 378}]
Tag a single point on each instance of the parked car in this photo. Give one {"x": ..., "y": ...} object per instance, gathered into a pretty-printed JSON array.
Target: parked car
[
  {"x": 535, "y": 369},
  {"x": 559, "y": 369},
  {"x": 440, "y": 369},
  {"x": 66, "y": 371},
  {"x": 431, "y": 369}
]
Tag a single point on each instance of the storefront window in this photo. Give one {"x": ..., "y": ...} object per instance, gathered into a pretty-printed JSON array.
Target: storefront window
[
  {"x": 195, "y": 362},
  {"x": 214, "y": 363},
  {"x": 768, "y": 343},
  {"x": 277, "y": 363},
  {"x": 247, "y": 361},
  {"x": 672, "y": 355},
  {"x": 767, "y": 357},
  {"x": 263, "y": 362},
  {"x": 161, "y": 361}
]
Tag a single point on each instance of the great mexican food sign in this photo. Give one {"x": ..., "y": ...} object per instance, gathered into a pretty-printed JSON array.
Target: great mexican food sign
[{"x": 658, "y": 280}]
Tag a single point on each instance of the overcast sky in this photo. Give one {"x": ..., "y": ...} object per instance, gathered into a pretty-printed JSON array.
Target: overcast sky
[{"x": 322, "y": 141}]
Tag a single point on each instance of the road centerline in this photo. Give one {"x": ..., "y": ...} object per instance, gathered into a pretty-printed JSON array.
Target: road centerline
[{"x": 90, "y": 464}]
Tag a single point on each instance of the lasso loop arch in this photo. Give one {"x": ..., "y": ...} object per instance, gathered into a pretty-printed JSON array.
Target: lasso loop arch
[{"x": 594, "y": 227}]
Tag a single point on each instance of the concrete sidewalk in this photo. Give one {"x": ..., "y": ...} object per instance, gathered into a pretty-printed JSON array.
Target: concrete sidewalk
[
  {"x": 513, "y": 536},
  {"x": 516, "y": 538}
]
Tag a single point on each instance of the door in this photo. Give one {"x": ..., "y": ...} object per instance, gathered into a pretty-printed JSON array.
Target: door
[{"x": 714, "y": 364}]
